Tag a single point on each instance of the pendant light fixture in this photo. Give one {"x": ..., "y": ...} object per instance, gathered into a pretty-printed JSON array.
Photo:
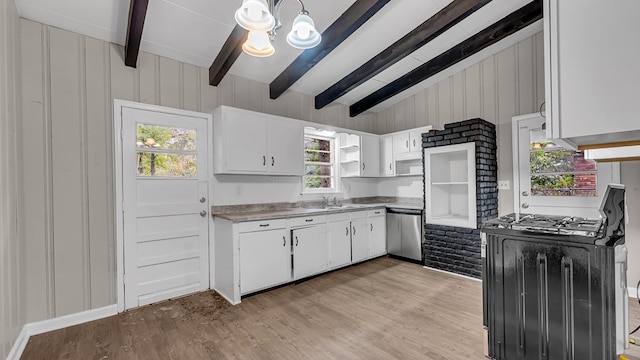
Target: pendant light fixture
[{"x": 257, "y": 17}]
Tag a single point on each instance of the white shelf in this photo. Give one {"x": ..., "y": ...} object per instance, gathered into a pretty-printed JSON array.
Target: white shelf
[
  {"x": 349, "y": 147},
  {"x": 349, "y": 161},
  {"x": 450, "y": 183},
  {"x": 450, "y": 186}
]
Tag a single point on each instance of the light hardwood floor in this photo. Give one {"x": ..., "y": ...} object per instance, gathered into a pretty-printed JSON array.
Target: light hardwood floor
[{"x": 381, "y": 309}]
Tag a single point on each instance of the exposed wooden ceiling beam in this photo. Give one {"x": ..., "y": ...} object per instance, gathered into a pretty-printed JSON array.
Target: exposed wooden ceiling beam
[
  {"x": 137, "y": 13},
  {"x": 443, "y": 20},
  {"x": 510, "y": 24},
  {"x": 228, "y": 55},
  {"x": 354, "y": 17}
]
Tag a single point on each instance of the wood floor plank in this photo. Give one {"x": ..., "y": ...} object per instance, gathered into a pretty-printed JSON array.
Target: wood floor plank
[{"x": 381, "y": 309}]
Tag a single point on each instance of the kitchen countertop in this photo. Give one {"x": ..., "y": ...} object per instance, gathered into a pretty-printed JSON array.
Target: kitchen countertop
[{"x": 301, "y": 211}]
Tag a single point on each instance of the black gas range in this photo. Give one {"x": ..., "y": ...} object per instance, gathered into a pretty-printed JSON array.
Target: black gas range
[
  {"x": 549, "y": 224},
  {"x": 554, "y": 287}
]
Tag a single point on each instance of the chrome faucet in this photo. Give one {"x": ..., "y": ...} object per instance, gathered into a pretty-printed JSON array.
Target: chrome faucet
[{"x": 325, "y": 202}]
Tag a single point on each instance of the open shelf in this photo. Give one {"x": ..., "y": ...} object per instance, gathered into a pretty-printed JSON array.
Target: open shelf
[{"x": 450, "y": 185}]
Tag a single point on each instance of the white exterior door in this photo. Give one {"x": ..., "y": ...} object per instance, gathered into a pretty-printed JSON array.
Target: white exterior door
[
  {"x": 559, "y": 181},
  {"x": 164, "y": 204}
]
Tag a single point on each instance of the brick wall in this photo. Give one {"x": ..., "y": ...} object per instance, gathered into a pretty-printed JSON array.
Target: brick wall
[{"x": 457, "y": 249}]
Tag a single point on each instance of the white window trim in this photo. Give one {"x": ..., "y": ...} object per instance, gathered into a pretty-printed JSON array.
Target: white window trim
[{"x": 614, "y": 171}]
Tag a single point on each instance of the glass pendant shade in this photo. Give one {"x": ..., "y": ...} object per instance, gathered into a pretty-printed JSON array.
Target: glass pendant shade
[
  {"x": 258, "y": 44},
  {"x": 254, "y": 15},
  {"x": 303, "y": 33}
]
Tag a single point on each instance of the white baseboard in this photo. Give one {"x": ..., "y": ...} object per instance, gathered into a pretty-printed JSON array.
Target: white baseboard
[
  {"x": 19, "y": 345},
  {"x": 61, "y": 322},
  {"x": 451, "y": 273},
  {"x": 633, "y": 292}
]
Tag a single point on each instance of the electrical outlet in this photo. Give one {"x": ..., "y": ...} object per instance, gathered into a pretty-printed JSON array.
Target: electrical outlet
[{"x": 504, "y": 185}]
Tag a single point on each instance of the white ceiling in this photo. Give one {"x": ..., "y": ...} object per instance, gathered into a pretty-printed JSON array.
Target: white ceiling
[{"x": 194, "y": 31}]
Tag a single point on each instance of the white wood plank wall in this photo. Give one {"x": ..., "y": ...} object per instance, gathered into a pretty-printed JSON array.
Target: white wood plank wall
[
  {"x": 504, "y": 85},
  {"x": 69, "y": 82},
  {"x": 11, "y": 277}
]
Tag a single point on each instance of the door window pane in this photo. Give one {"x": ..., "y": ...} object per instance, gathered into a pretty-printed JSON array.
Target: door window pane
[
  {"x": 166, "y": 164},
  {"x": 165, "y": 138},
  {"x": 555, "y": 171},
  {"x": 164, "y": 151}
]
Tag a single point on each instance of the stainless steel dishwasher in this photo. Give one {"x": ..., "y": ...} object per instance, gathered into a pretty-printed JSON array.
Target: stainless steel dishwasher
[{"x": 404, "y": 232}]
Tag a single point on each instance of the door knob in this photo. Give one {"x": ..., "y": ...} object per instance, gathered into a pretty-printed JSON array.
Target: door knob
[
  {"x": 525, "y": 206},
  {"x": 203, "y": 213},
  {"x": 202, "y": 200},
  {"x": 525, "y": 193}
]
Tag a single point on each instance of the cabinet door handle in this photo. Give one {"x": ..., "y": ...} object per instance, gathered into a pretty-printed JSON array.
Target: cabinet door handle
[
  {"x": 273, "y": 161},
  {"x": 308, "y": 220},
  {"x": 347, "y": 232},
  {"x": 354, "y": 230},
  {"x": 414, "y": 142},
  {"x": 284, "y": 241},
  {"x": 371, "y": 227},
  {"x": 296, "y": 241},
  {"x": 362, "y": 166},
  {"x": 390, "y": 166},
  {"x": 407, "y": 144},
  {"x": 264, "y": 160},
  {"x": 264, "y": 225}
]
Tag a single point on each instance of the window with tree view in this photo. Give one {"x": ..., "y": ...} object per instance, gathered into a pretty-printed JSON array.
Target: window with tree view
[
  {"x": 556, "y": 171},
  {"x": 318, "y": 163},
  {"x": 165, "y": 151}
]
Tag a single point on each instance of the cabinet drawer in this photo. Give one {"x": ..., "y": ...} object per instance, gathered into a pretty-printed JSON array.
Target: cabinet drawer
[
  {"x": 262, "y": 225},
  {"x": 307, "y": 220},
  {"x": 377, "y": 212},
  {"x": 338, "y": 217},
  {"x": 359, "y": 214}
]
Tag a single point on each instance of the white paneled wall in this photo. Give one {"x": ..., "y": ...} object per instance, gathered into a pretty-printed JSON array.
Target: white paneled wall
[
  {"x": 69, "y": 82},
  {"x": 11, "y": 278},
  {"x": 504, "y": 85}
]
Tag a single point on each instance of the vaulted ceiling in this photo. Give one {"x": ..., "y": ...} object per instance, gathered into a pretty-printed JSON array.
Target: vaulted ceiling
[{"x": 374, "y": 53}]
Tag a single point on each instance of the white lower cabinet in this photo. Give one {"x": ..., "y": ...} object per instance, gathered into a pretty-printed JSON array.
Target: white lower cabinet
[
  {"x": 339, "y": 242},
  {"x": 310, "y": 251},
  {"x": 377, "y": 233},
  {"x": 264, "y": 259},
  {"x": 359, "y": 236},
  {"x": 250, "y": 256}
]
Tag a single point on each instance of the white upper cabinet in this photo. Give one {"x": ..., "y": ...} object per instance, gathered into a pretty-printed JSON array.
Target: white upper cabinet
[
  {"x": 386, "y": 155},
  {"x": 245, "y": 148},
  {"x": 370, "y": 155},
  {"x": 247, "y": 142},
  {"x": 285, "y": 141},
  {"x": 359, "y": 155},
  {"x": 401, "y": 143},
  {"x": 409, "y": 141},
  {"x": 415, "y": 140},
  {"x": 592, "y": 74}
]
